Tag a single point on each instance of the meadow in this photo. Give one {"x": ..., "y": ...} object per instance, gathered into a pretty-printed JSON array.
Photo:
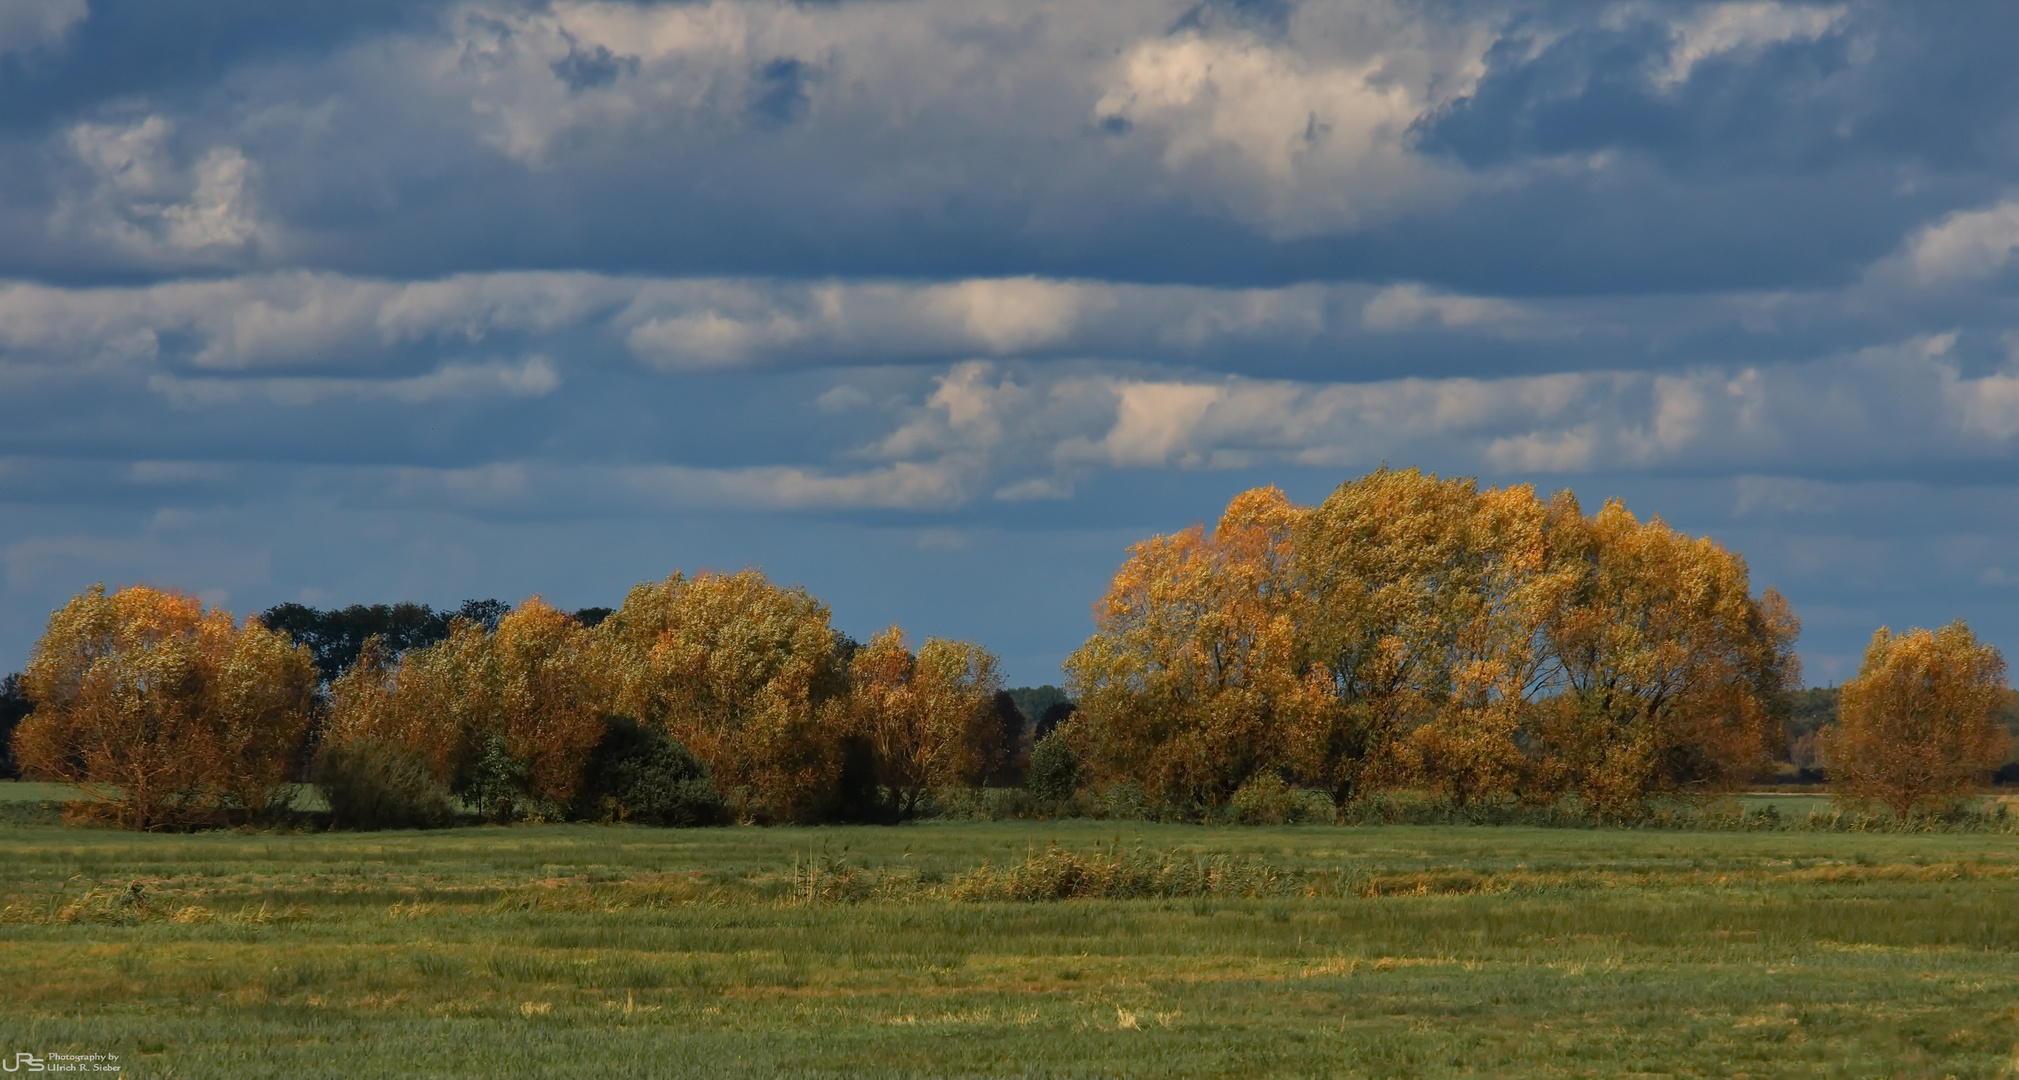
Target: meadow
[{"x": 872, "y": 951}]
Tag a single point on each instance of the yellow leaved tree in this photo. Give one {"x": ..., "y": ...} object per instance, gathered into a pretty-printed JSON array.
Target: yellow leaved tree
[
  {"x": 507, "y": 718},
  {"x": 1508, "y": 575},
  {"x": 1418, "y": 631},
  {"x": 1421, "y": 597},
  {"x": 745, "y": 675},
  {"x": 1670, "y": 676},
  {"x": 1195, "y": 681},
  {"x": 554, "y": 687},
  {"x": 1918, "y": 726},
  {"x": 929, "y": 718},
  {"x": 170, "y": 714}
]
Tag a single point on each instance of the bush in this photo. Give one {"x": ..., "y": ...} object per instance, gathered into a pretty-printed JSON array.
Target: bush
[
  {"x": 1054, "y": 772},
  {"x": 1263, "y": 800},
  {"x": 379, "y": 785},
  {"x": 494, "y": 784},
  {"x": 640, "y": 775}
]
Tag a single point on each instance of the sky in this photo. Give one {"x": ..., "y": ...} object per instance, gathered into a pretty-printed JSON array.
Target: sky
[{"x": 935, "y": 307}]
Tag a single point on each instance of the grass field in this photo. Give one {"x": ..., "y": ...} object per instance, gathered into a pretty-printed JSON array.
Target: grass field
[{"x": 1392, "y": 951}]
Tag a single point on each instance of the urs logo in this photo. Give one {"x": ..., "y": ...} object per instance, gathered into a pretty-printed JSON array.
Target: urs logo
[{"x": 21, "y": 1059}]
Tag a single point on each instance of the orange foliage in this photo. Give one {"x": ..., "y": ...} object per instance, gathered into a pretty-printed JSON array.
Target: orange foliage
[
  {"x": 536, "y": 687},
  {"x": 172, "y": 714},
  {"x": 1416, "y": 630},
  {"x": 553, "y": 691},
  {"x": 1918, "y": 727},
  {"x": 1670, "y": 673},
  {"x": 928, "y": 718},
  {"x": 1195, "y": 681}
]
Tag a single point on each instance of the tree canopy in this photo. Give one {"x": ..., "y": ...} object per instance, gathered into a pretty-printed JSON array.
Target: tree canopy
[
  {"x": 1413, "y": 629},
  {"x": 1919, "y": 725}
]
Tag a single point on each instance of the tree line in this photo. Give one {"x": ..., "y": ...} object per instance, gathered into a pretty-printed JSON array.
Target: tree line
[
  {"x": 1410, "y": 632},
  {"x": 732, "y": 686}
]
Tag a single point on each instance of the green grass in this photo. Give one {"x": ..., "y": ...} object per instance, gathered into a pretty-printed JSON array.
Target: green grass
[
  {"x": 1392, "y": 951},
  {"x": 1788, "y": 806},
  {"x": 28, "y": 791}
]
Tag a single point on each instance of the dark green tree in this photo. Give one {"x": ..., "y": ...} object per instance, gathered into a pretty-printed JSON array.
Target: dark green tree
[
  {"x": 335, "y": 636},
  {"x": 14, "y": 708}
]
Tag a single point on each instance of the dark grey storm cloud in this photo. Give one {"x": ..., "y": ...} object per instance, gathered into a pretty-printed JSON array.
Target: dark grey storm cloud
[{"x": 935, "y": 306}]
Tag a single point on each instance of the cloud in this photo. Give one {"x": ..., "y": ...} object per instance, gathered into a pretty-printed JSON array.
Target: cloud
[
  {"x": 140, "y": 198},
  {"x": 35, "y": 24},
  {"x": 533, "y": 377},
  {"x": 1040, "y": 433},
  {"x": 1404, "y": 307},
  {"x": 545, "y": 488},
  {"x": 1479, "y": 149},
  {"x": 343, "y": 325},
  {"x": 1720, "y": 29},
  {"x": 841, "y": 399},
  {"x": 1965, "y": 245},
  {"x": 288, "y": 319},
  {"x": 1298, "y": 140}
]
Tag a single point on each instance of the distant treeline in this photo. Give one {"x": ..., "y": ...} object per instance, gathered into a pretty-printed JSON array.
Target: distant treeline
[
  {"x": 699, "y": 699},
  {"x": 1409, "y": 632}
]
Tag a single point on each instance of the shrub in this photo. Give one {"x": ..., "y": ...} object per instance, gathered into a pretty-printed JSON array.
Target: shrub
[
  {"x": 494, "y": 784},
  {"x": 1264, "y": 800},
  {"x": 1054, "y": 772},
  {"x": 640, "y": 775},
  {"x": 376, "y": 784}
]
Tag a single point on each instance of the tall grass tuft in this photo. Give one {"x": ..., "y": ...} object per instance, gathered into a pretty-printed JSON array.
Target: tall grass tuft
[{"x": 1058, "y": 874}]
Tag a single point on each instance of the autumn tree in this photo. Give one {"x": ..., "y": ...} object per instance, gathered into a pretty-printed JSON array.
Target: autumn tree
[
  {"x": 743, "y": 673},
  {"x": 508, "y": 716},
  {"x": 554, "y": 690},
  {"x": 1420, "y": 599},
  {"x": 930, "y": 719},
  {"x": 1419, "y": 631},
  {"x": 1918, "y": 726},
  {"x": 430, "y": 703},
  {"x": 1671, "y": 678},
  {"x": 1195, "y": 679},
  {"x": 1508, "y": 575},
  {"x": 170, "y": 714}
]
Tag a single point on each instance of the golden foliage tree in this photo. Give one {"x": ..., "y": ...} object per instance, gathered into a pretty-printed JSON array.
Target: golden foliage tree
[
  {"x": 434, "y": 702},
  {"x": 929, "y": 718},
  {"x": 1671, "y": 676},
  {"x": 745, "y": 675},
  {"x": 553, "y": 692},
  {"x": 1918, "y": 725},
  {"x": 1509, "y": 574},
  {"x": 1195, "y": 679},
  {"x": 1418, "y": 590},
  {"x": 508, "y": 716},
  {"x": 1412, "y": 630},
  {"x": 172, "y": 714}
]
